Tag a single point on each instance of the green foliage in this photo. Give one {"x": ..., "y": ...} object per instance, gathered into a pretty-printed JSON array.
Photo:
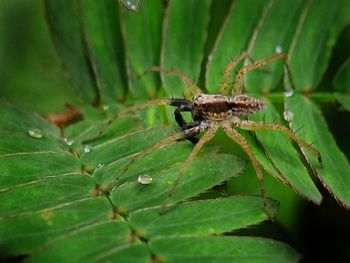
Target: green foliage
[{"x": 53, "y": 207}]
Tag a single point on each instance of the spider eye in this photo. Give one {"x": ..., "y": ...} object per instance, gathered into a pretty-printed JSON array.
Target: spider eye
[{"x": 195, "y": 104}]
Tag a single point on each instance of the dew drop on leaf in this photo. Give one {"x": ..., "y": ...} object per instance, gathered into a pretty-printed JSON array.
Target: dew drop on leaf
[
  {"x": 288, "y": 93},
  {"x": 100, "y": 165},
  {"x": 68, "y": 141},
  {"x": 279, "y": 49},
  {"x": 105, "y": 108},
  {"x": 288, "y": 115},
  {"x": 87, "y": 149},
  {"x": 35, "y": 133},
  {"x": 144, "y": 179}
]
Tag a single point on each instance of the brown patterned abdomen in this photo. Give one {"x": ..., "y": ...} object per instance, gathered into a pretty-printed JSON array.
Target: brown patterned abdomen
[{"x": 243, "y": 105}]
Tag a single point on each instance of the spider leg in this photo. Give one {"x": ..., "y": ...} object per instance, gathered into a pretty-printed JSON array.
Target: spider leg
[
  {"x": 184, "y": 125},
  {"x": 260, "y": 126},
  {"x": 204, "y": 139},
  {"x": 227, "y": 72},
  {"x": 134, "y": 108},
  {"x": 238, "y": 83},
  {"x": 192, "y": 89},
  {"x": 193, "y": 131},
  {"x": 181, "y": 121},
  {"x": 157, "y": 102},
  {"x": 243, "y": 143}
]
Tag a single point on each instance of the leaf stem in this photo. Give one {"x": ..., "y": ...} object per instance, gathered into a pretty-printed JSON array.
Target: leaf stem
[{"x": 321, "y": 97}]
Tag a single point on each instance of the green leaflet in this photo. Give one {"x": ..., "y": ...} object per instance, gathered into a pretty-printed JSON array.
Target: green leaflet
[
  {"x": 341, "y": 83},
  {"x": 311, "y": 48},
  {"x": 222, "y": 249},
  {"x": 68, "y": 38},
  {"x": 336, "y": 170},
  {"x": 101, "y": 31},
  {"x": 203, "y": 174},
  {"x": 142, "y": 35},
  {"x": 184, "y": 21},
  {"x": 201, "y": 217},
  {"x": 281, "y": 159},
  {"x": 232, "y": 39}
]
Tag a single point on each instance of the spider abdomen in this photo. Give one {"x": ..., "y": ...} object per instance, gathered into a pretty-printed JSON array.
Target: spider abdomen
[{"x": 243, "y": 105}]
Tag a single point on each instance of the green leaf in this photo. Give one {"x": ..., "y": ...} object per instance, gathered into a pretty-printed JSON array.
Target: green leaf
[
  {"x": 222, "y": 249},
  {"x": 343, "y": 99},
  {"x": 119, "y": 147},
  {"x": 142, "y": 36},
  {"x": 184, "y": 35},
  {"x": 335, "y": 173},
  {"x": 233, "y": 38},
  {"x": 20, "y": 169},
  {"x": 341, "y": 83},
  {"x": 64, "y": 22},
  {"x": 19, "y": 122},
  {"x": 201, "y": 218},
  {"x": 85, "y": 244},
  {"x": 204, "y": 173},
  {"x": 280, "y": 159},
  {"x": 103, "y": 39},
  {"x": 128, "y": 253},
  {"x": 38, "y": 229},
  {"x": 311, "y": 47},
  {"x": 269, "y": 40}
]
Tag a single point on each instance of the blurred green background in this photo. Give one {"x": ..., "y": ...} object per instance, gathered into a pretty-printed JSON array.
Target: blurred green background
[
  {"x": 31, "y": 77},
  {"x": 30, "y": 70}
]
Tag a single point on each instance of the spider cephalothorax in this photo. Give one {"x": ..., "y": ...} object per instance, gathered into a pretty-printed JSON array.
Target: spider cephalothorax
[{"x": 213, "y": 111}]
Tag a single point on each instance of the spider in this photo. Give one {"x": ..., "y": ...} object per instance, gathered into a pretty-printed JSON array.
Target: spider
[{"x": 213, "y": 111}]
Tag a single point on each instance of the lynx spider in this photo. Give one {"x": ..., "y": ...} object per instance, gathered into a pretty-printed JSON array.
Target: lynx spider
[{"x": 212, "y": 111}]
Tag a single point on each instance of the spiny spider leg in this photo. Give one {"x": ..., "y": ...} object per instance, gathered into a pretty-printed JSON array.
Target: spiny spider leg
[
  {"x": 168, "y": 140},
  {"x": 238, "y": 83},
  {"x": 225, "y": 85},
  {"x": 243, "y": 143},
  {"x": 191, "y": 89},
  {"x": 260, "y": 126},
  {"x": 159, "y": 102},
  {"x": 204, "y": 139}
]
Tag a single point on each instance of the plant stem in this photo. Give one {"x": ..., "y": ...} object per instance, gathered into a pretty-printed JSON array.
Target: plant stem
[{"x": 321, "y": 97}]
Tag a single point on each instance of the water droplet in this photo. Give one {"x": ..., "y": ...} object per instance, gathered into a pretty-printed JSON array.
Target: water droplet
[
  {"x": 279, "y": 49},
  {"x": 100, "y": 165},
  {"x": 68, "y": 141},
  {"x": 133, "y": 7},
  {"x": 128, "y": 3},
  {"x": 144, "y": 179},
  {"x": 87, "y": 149},
  {"x": 105, "y": 108},
  {"x": 288, "y": 93},
  {"x": 288, "y": 115},
  {"x": 35, "y": 133}
]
